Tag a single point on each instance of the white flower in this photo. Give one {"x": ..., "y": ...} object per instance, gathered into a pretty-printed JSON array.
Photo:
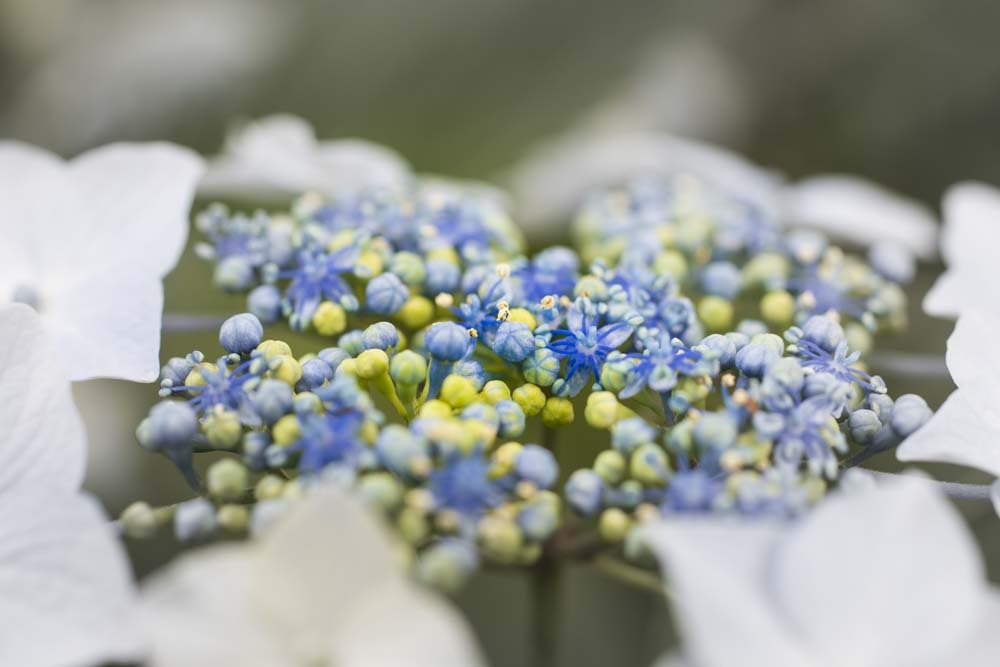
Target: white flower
[
  {"x": 882, "y": 576},
  {"x": 87, "y": 243},
  {"x": 279, "y": 157},
  {"x": 66, "y": 596},
  {"x": 965, "y": 430},
  {"x": 320, "y": 587},
  {"x": 969, "y": 241}
]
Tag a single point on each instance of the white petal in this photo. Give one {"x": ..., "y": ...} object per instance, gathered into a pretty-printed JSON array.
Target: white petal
[
  {"x": 716, "y": 570},
  {"x": 67, "y": 593},
  {"x": 951, "y": 294},
  {"x": 957, "y": 433},
  {"x": 889, "y": 576},
  {"x": 43, "y": 438},
  {"x": 138, "y": 200},
  {"x": 981, "y": 646},
  {"x": 425, "y": 631},
  {"x": 340, "y": 551},
  {"x": 443, "y": 188},
  {"x": 552, "y": 182},
  {"x": 853, "y": 209},
  {"x": 199, "y": 612},
  {"x": 278, "y": 157},
  {"x": 108, "y": 325},
  {"x": 974, "y": 358}
]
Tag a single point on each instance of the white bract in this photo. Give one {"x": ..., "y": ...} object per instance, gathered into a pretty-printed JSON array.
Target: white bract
[
  {"x": 279, "y": 157},
  {"x": 965, "y": 430},
  {"x": 969, "y": 242},
  {"x": 67, "y": 595},
  {"x": 87, "y": 243},
  {"x": 322, "y": 586},
  {"x": 882, "y": 576},
  {"x": 552, "y": 182}
]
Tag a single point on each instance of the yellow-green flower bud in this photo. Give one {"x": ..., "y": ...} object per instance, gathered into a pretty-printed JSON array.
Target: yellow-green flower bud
[
  {"x": 603, "y": 409},
  {"x": 435, "y": 408},
  {"x": 715, "y": 313},
  {"x": 495, "y": 391},
  {"x": 139, "y": 521},
  {"x": 671, "y": 263},
  {"x": 530, "y": 398},
  {"x": 777, "y": 307},
  {"x": 269, "y": 487},
  {"x": 270, "y": 349},
  {"x": 381, "y": 489},
  {"x": 371, "y": 364},
  {"x": 611, "y": 466},
  {"x": 233, "y": 519},
  {"x": 227, "y": 480},
  {"x": 369, "y": 265},
  {"x": 502, "y": 461},
  {"x": 286, "y": 430},
  {"x": 329, "y": 319},
  {"x": 458, "y": 391},
  {"x": 649, "y": 465},
  {"x": 613, "y": 525},
  {"x": 501, "y": 539},
  {"x": 413, "y": 525},
  {"x": 522, "y": 315},
  {"x": 223, "y": 429},
  {"x": 285, "y": 368},
  {"x": 557, "y": 412},
  {"x": 416, "y": 313},
  {"x": 408, "y": 368}
]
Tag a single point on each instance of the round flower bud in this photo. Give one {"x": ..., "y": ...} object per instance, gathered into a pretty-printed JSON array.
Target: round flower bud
[
  {"x": 329, "y": 319},
  {"x": 265, "y": 514},
  {"x": 268, "y": 487},
  {"x": 402, "y": 451},
  {"x": 233, "y": 274},
  {"x": 458, "y": 391},
  {"x": 522, "y": 316},
  {"x": 286, "y": 431},
  {"x": 823, "y": 331},
  {"x": 194, "y": 520},
  {"x": 447, "y": 341},
  {"x": 511, "y": 419},
  {"x": 584, "y": 492},
  {"x": 715, "y": 431},
  {"x": 241, "y": 334},
  {"x": 175, "y": 371},
  {"x": 557, "y": 412},
  {"x": 495, "y": 391},
  {"x": 442, "y": 276},
  {"x": 472, "y": 370},
  {"x": 513, "y": 341},
  {"x": 408, "y": 368},
  {"x": 715, "y": 312},
  {"x": 909, "y": 413},
  {"x": 777, "y": 307},
  {"x": 272, "y": 400},
  {"x": 286, "y": 368},
  {"x": 269, "y": 349},
  {"x": 541, "y": 367},
  {"x": 371, "y": 364},
  {"x": 755, "y": 358},
  {"x": 721, "y": 279},
  {"x": 435, "y": 409},
  {"x": 628, "y": 434},
  {"x": 416, "y": 313},
  {"x": 315, "y": 372},
  {"x": 412, "y": 525},
  {"x": 648, "y": 464},
  {"x": 611, "y": 466},
  {"x": 381, "y": 490},
  {"x": 530, "y": 398},
  {"x": 170, "y": 425},
  {"x": 865, "y": 426},
  {"x": 409, "y": 266},
  {"x": 380, "y": 336},
  {"x": 333, "y": 356},
  {"x": 385, "y": 294},
  {"x": 538, "y": 465},
  {"x": 233, "y": 519},
  {"x": 139, "y": 521},
  {"x": 626, "y": 495},
  {"x": 446, "y": 564},
  {"x": 227, "y": 480},
  {"x": 603, "y": 409},
  {"x": 613, "y": 525},
  {"x": 538, "y": 519},
  {"x": 500, "y": 539},
  {"x": 264, "y": 301}
]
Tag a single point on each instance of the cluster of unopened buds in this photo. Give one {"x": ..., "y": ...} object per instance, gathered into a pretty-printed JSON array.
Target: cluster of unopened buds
[{"x": 722, "y": 356}]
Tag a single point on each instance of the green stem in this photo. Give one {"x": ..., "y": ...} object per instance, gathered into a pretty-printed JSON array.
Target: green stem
[
  {"x": 545, "y": 628},
  {"x": 629, "y": 574}
]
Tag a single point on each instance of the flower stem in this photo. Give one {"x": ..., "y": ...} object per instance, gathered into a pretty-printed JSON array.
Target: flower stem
[
  {"x": 956, "y": 490},
  {"x": 629, "y": 574},
  {"x": 912, "y": 365},
  {"x": 546, "y": 614},
  {"x": 189, "y": 323}
]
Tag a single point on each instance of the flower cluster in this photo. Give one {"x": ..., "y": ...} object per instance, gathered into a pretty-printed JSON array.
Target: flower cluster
[{"x": 723, "y": 357}]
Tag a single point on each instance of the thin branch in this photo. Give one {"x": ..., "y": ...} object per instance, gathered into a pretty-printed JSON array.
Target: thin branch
[
  {"x": 956, "y": 490},
  {"x": 629, "y": 574},
  {"x": 910, "y": 364},
  {"x": 188, "y": 323}
]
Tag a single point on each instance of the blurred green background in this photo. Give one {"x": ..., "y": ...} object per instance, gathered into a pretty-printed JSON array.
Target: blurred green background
[{"x": 902, "y": 92}]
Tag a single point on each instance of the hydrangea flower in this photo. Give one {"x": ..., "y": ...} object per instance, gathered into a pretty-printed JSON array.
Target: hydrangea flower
[
  {"x": 87, "y": 243},
  {"x": 835, "y": 588},
  {"x": 322, "y": 585},
  {"x": 970, "y": 235},
  {"x": 61, "y": 568}
]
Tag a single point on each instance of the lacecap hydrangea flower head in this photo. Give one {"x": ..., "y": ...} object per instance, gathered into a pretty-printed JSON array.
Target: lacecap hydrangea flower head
[{"x": 720, "y": 359}]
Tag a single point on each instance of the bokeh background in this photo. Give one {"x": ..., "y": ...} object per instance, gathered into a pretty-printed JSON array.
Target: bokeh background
[{"x": 903, "y": 92}]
